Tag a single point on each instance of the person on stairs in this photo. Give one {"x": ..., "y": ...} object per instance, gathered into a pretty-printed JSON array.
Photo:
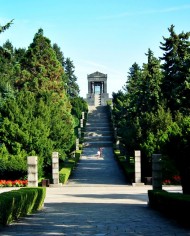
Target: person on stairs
[{"x": 99, "y": 153}]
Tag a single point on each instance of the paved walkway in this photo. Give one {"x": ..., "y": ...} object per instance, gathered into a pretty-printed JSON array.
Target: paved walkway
[{"x": 97, "y": 201}]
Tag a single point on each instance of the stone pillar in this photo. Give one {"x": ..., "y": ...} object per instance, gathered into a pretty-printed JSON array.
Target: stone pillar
[
  {"x": 55, "y": 167},
  {"x": 157, "y": 171},
  {"x": 77, "y": 144},
  {"x": 79, "y": 132},
  {"x": 102, "y": 87},
  {"x": 105, "y": 86},
  {"x": 117, "y": 143},
  {"x": 89, "y": 87},
  {"x": 115, "y": 133},
  {"x": 93, "y": 89},
  {"x": 138, "y": 169},
  {"x": 83, "y": 115},
  {"x": 81, "y": 123},
  {"x": 137, "y": 166},
  {"x": 32, "y": 162}
]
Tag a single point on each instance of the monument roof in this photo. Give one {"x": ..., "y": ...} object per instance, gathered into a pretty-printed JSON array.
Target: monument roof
[{"x": 97, "y": 74}]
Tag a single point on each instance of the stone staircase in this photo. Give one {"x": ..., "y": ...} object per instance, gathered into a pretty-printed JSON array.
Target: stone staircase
[{"x": 98, "y": 132}]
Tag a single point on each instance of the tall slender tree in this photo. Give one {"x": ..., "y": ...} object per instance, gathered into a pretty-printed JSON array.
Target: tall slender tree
[
  {"x": 176, "y": 80},
  {"x": 72, "y": 86}
]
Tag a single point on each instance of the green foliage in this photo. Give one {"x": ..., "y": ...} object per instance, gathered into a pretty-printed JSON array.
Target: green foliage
[
  {"x": 72, "y": 86},
  {"x": 5, "y": 27},
  {"x": 173, "y": 205},
  {"x": 35, "y": 110},
  {"x": 18, "y": 203},
  {"x": 64, "y": 175},
  {"x": 79, "y": 105},
  {"x": 176, "y": 80},
  {"x": 152, "y": 111}
]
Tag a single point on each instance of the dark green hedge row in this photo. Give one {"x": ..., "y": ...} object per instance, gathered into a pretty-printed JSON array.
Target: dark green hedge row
[
  {"x": 126, "y": 166},
  {"x": 68, "y": 167},
  {"x": 19, "y": 203},
  {"x": 174, "y": 205}
]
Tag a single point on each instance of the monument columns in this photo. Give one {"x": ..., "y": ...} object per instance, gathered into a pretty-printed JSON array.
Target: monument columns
[{"x": 97, "y": 86}]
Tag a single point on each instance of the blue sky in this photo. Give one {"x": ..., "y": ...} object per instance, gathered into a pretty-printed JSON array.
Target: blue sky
[{"x": 97, "y": 35}]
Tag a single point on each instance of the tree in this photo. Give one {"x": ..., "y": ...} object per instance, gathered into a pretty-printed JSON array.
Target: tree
[
  {"x": 152, "y": 77},
  {"x": 41, "y": 71},
  {"x": 72, "y": 86},
  {"x": 40, "y": 112},
  {"x": 176, "y": 80},
  {"x": 61, "y": 59},
  {"x": 5, "y": 27},
  {"x": 7, "y": 68}
]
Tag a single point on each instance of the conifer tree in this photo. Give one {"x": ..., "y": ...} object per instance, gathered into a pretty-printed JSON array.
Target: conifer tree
[
  {"x": 5, "y": 27},
  {"x": 176, "y": 61},
  {"x": 72, "y": 86}
]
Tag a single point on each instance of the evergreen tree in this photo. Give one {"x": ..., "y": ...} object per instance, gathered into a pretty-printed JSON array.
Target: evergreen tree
[
  {"x": 7, "y": 68},
  {"x": 39, "y": 119},
  {"x": 176, "y": 61},
  {"x": 151, "y": 84},
  {"x": 42, "y": 71},
  {"x": 5, "y": 27},
  {"x": 61, "y": 59},
  {"x": 72, "y": 86}
]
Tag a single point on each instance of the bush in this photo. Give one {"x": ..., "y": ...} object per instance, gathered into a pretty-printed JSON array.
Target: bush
[
  {"x": 68, "y": 167},
  {"x": 174, "y": 205},
  {"x": 64, "y": 174},
  {"x": 126, "y": 166},
  {"x": 17, "y": 203}
]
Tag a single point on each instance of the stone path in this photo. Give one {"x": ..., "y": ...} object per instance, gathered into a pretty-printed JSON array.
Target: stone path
[{"x": 97, "y": 201}]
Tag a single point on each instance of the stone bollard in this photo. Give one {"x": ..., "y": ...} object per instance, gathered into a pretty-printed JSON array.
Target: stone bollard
[
  {"x": 115, "y": 133},
  {"x": 79, "y": 133},
  {"x": 83, "y": 115},
  {"x": 77, "y": 144},
  {"x": 157, "y": 171},
  {"x": 55, "y": 167},
  {"x": 138, "y": 168},
  {"x": 81, "y": 123},
  {"x": 117, "y": 143},
  {"x": 32, "y": 162}
]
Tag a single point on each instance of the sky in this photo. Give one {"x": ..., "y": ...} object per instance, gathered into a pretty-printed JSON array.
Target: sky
[{"x": 108, "y": 36}]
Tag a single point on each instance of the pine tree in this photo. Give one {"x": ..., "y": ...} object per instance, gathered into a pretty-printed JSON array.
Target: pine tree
[
  {"x": 72, "y": 86},
  {"x": 176, "y": 61},
  {"x": 5, "y": 27}
]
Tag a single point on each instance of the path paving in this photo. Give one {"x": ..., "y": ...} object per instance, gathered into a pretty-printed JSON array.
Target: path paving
[
  {"x": 97, "y": 200},
  {"x": 100, "y": 204}
]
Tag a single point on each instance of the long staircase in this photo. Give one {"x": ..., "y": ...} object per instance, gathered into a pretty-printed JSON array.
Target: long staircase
[
  {"x": 98, "y": 131},
  {"x": 91, "y": 169}
]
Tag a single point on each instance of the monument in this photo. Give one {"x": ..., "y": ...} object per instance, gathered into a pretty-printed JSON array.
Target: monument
[{"x": 97, "y": 89}]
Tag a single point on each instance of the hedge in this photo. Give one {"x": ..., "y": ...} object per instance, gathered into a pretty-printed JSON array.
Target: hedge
[
  {"x": 19, "y": 203},
  {"x": 126, "y": 166},
  {"x": 173, "y": 205},
  {"x": 68, "y": 167}
]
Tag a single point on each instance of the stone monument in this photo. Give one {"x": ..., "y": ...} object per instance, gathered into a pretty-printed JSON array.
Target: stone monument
[{"x": 97, "y": 89}]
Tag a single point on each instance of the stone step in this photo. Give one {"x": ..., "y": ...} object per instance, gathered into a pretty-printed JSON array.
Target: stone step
[
  {"x": 98, "y": 133},
  {"x": 97, "y": 129},
  {"x": 97, "y": 124},
  {"x": 98, "y": 144},
  {"x": 98, "y": 118},
  {"x": 97, "y": 138}
]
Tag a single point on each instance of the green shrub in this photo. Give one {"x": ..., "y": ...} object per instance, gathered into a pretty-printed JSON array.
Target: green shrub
[
  {"x": 64, "y": 174},
  {"x": 174, "y": 205},
  {"x": 68, "y": 166},
  {"x": 16, "y": 203}
]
